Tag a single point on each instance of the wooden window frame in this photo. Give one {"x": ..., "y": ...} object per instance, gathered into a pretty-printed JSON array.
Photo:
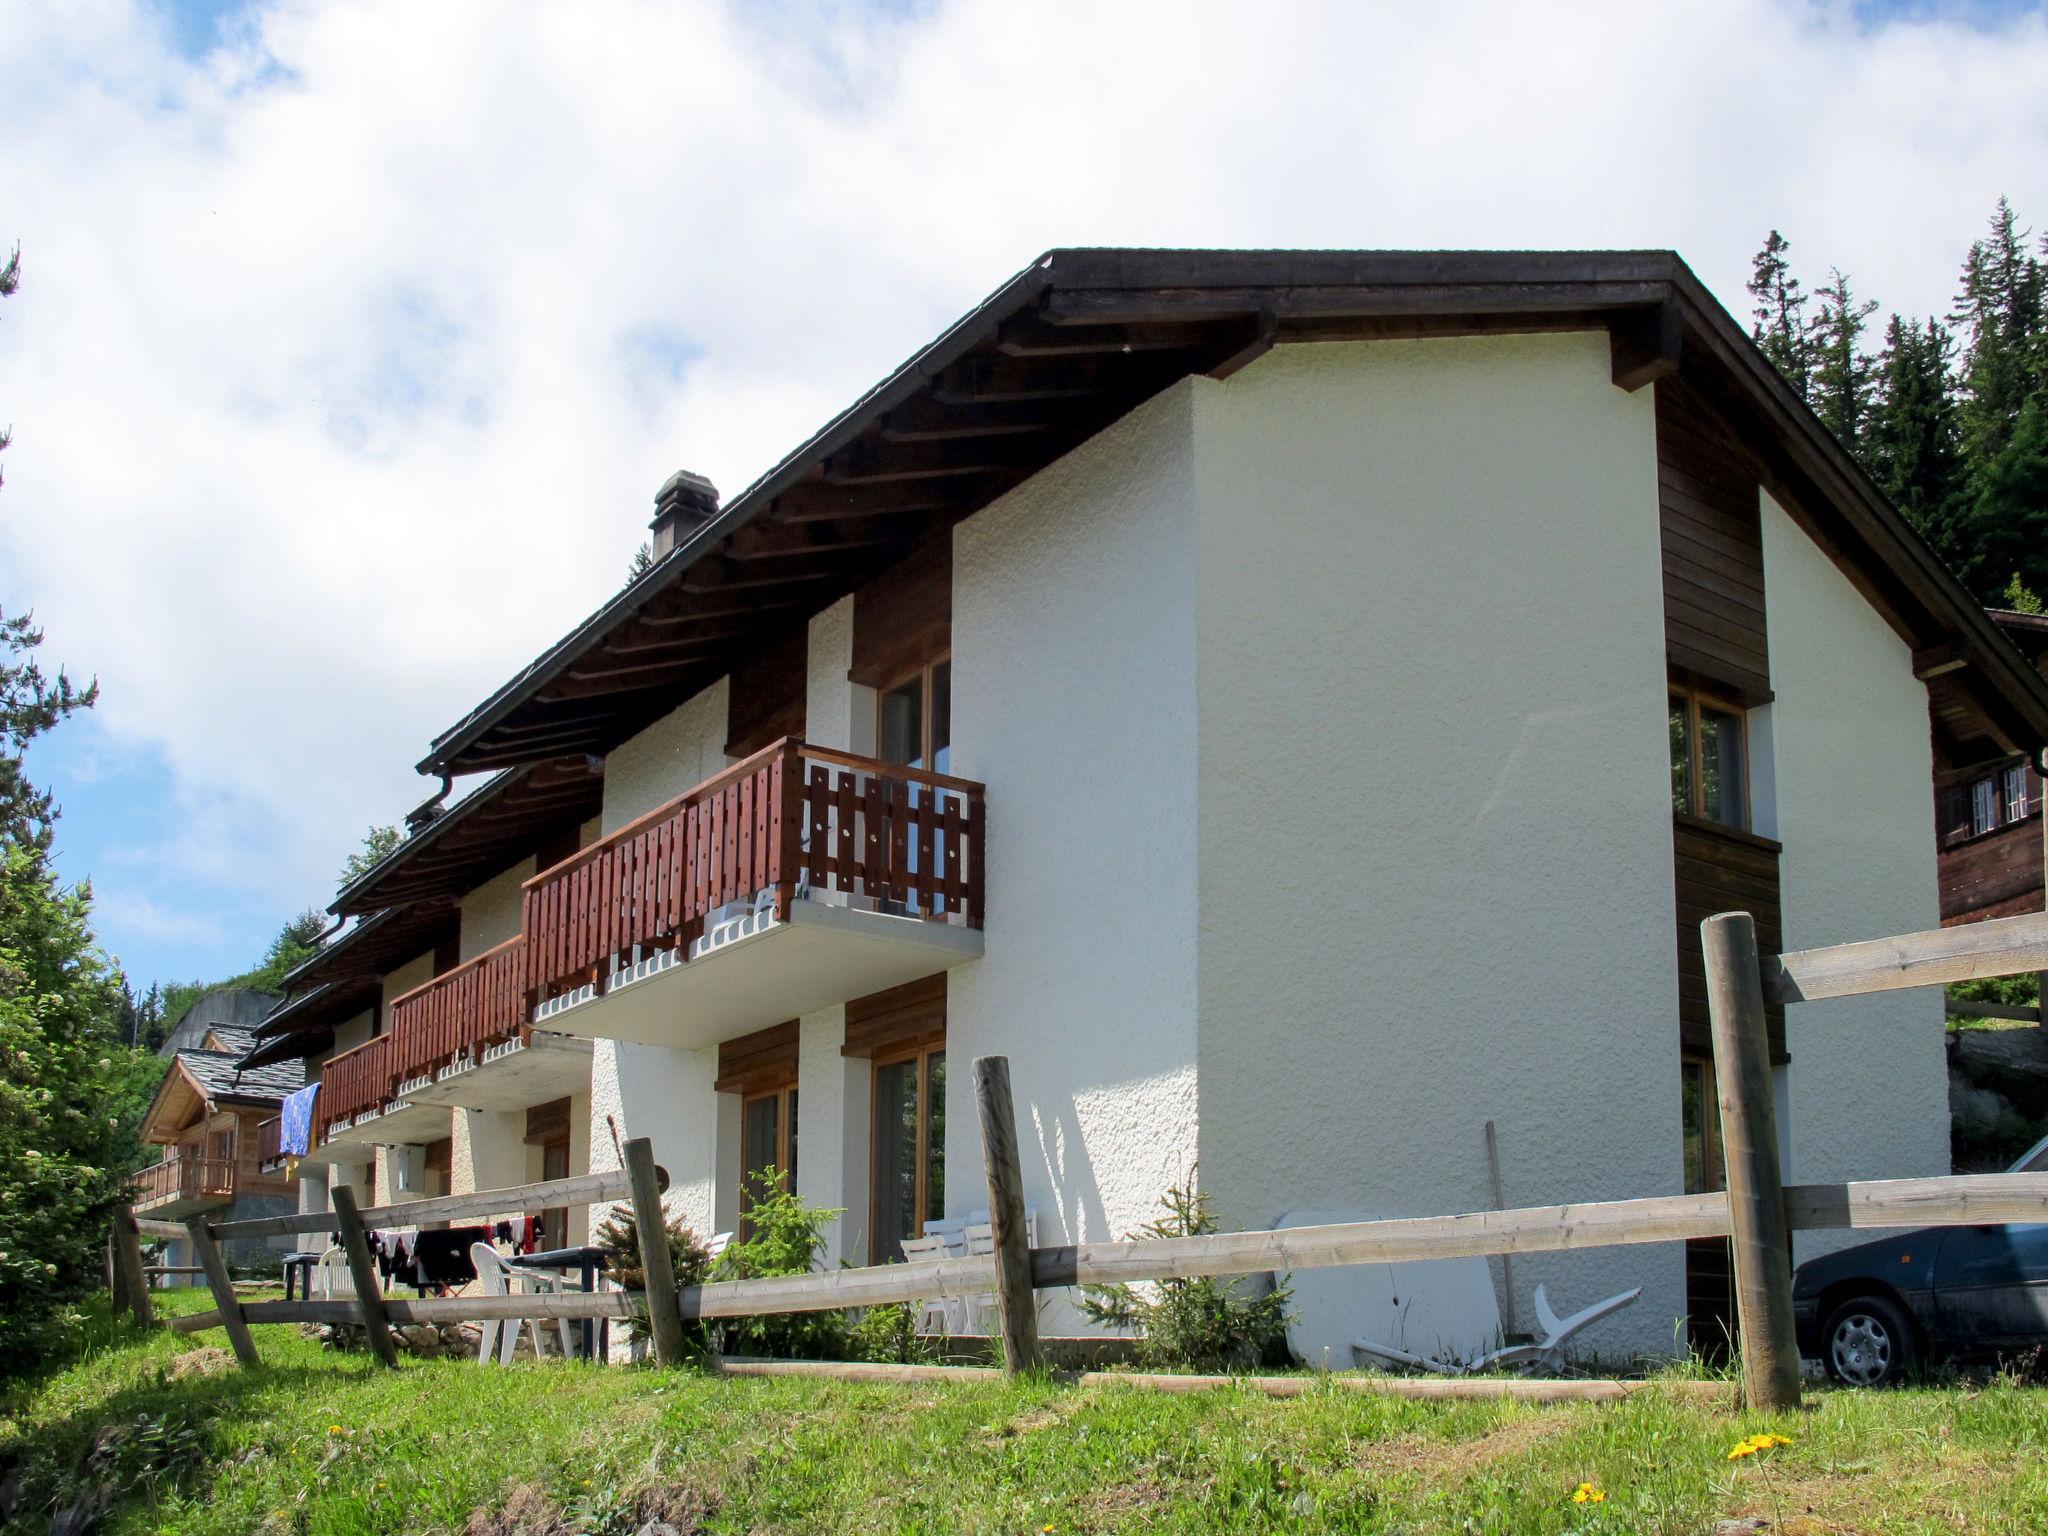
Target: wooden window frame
[
  {"x": 923, "y": 673},
  {"x": 784, "y": 1095},
  {"x": 920, "y": 1051},
  {"x": 1693, "y": 700},
  {"x": 1714, "y": 1166},
  {"x": 2015, "y": 804},
  {"x": 1985, "y": 798}
]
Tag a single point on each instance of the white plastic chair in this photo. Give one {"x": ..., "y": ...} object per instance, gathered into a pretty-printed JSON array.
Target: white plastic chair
[
  {"x": 1547, "y": 1354},
  {"x": 498, "y": 1278},
  {"x": 941, "y": 1315},
  {"x": 716, "y": 1245},
  {"x": 978, "y": 1236},
  {"x": 331, "y": 1278}
]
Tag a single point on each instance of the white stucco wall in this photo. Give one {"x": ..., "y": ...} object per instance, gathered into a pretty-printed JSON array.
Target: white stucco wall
[
  {"x": 1435, "y": 842},
  {"x": 1074, "y": 701},
  {"x": 664, "y": 1095},
  {"x": 495, "y": 910},
  {"x": 828, "y": 695},
  {"x": 832, "y": 1122},
  {"x": 1849, "y": 765}
]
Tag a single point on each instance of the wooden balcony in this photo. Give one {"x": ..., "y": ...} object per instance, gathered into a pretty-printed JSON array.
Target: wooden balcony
[
  {"x": 359, "y": 1106},
  {"x": 270, "y": 1144},
  {"x": 180, "y": 1186},
  {"x": 798, "y": 878},
  {"x": 465, "y": 1038}
]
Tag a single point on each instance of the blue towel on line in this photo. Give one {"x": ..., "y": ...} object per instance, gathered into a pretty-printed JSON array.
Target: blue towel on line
[{"x": 295, "y": 1127}]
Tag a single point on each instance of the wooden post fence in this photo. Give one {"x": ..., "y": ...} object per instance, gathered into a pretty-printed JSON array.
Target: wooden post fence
[
  {"x": 650, "y": 1220},
  {"x": 1761, "y": 1236},
  {"x": 224, "y": 1302},
  {"x": 1016, "y": 1303},
  {"x": 134, "y": 1284},
  {"x": 362, "y": 1269}
]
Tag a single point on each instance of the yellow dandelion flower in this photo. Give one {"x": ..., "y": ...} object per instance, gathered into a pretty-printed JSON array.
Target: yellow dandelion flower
[
  {"x": 1742, "y": 1450},
  {"x": 1587, "y": 1493},
  {"x": 334, "y": 1429}
]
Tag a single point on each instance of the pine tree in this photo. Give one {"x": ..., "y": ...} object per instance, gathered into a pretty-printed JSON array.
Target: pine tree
[
  {"x": 2000, "y": 311},
  {"x": 1781, "y": 314},
  {"x": 1842, "y": 375},
  {"x": 1911, "y": 444},
  {"x": 2007, "y": 527}
]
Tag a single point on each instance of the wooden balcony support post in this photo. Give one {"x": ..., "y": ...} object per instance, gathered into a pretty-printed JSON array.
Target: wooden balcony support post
[{"x": 1761, "y": 1235}]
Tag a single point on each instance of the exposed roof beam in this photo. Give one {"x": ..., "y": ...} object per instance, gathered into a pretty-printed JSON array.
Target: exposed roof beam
[{"x": 1643, "y": 345}]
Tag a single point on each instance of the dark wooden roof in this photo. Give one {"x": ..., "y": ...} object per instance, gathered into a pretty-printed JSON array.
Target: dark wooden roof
[
  {"x": 1077, "y": 340},
  {"x": 347, "y": 976},
  {"x": 488, "y": 830}
]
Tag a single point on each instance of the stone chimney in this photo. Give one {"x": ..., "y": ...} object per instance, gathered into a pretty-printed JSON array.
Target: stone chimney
[{"x": 682, "y": 506}]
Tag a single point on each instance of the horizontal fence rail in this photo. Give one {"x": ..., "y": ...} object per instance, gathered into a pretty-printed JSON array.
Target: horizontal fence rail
[
  {"x": 581, "y": 1189},
  {"x": 2003, "y": 946},
  {"x": 478, "y": 1003}
]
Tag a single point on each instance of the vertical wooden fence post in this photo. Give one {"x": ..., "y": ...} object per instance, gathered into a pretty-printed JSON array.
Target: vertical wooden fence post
[
  {"x": 664, "y": 1316},
  {"x": 134, "y": 1284},
  {"x": 355, "y": 1242},
  {"x": 1016, "y": 1304},
  {"x": 1762, "y": 1238},
  {"x": 207, "y": 1251}
]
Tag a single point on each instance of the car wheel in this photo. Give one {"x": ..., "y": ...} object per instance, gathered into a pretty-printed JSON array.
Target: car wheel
[{"x": 1869, "y": 1342}]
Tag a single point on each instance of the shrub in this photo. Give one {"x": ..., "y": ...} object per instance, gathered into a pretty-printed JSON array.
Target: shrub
[
  {"x": 887, "y": 1335},
  {"x": 785, "y": 1236},
  {"x": 618, "y": 1237},
  {"x": 1204, "y": 1323}
]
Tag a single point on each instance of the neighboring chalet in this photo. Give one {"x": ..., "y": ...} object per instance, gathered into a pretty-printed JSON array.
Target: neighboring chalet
[
  {"x": 207, "y": 1117},
  {"x": 1297, "y": 706},
  {"x": 1989, "y": 813}
]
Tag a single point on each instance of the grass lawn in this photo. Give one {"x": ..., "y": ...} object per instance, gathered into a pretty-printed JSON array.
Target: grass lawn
[{"x": 322, "y": 1443}]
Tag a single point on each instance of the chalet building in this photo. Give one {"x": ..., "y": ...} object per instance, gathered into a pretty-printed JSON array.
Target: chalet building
[
  {"x": 1988, "y": 813},
  {"x": 1296, "y": 706},
  {"x": 206, "y": 1119}
]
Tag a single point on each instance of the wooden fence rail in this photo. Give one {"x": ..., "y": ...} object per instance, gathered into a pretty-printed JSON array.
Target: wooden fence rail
[{"x": 1758, "y": 1216}]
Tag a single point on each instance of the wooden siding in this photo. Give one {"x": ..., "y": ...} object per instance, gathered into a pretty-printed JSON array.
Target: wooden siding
[
  {"x": 759, "y": 1062},
  {"x": 912, "y": 1014},
  {"x": 479, "y": 1002},
  {"x": 1996, "y": 875},
  {"x": 766, "y": 699},
  {"x": 1707, "y": 497},
  {"x": 903, "y": 619},
  {"x": 1719, "y": 869}
]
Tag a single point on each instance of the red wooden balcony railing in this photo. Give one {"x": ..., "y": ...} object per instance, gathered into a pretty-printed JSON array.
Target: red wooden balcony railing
[
  {"x": 270, "y": 1141},
  {"x": 480, "y": 1002},
  {"x": 183, "y": 1179},
  {"x": 356, "y": 1080},
  {"x": 788, "y": 814}
]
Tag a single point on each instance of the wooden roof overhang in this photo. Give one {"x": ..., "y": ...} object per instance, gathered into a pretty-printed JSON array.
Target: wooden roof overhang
[
  {"x": 503, "y": 821},
  {"x": 180, "y": 1100},
  {"x": 347, "y": 977},
  {"x": 1080, "y": 338}
]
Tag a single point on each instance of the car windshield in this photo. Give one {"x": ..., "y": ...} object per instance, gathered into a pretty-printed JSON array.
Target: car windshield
[{"x": 2033, "y": 1160}]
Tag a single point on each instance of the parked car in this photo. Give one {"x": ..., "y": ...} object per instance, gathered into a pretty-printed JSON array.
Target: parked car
[{"x": 1874, "y": 1312}]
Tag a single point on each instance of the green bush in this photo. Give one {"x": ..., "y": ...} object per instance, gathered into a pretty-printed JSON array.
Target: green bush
[
  {"x": 1200, "y": 1324},
  {"x": 785, "y": 1236},
  {"x": 887, "y": 1335},
  {"x": 618, "y": 1237}
]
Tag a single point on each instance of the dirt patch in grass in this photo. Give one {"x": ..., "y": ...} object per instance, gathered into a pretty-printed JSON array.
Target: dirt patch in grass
[
  {"x": 1439, "y": 1459},
  {"x": 530, "y": 1510},
  {"x": 208, "y": 1361}
]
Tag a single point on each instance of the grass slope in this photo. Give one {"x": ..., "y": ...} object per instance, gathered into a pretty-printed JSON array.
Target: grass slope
[{"x": 322, "y": 1444}]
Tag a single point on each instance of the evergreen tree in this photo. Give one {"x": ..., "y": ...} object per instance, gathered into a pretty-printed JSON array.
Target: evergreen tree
[
  {"x": 1842, "y": 375},
  {"x": 641, "y": 563},
  {"x": 2000, "y": 311},
  {"x": 2007, "y": 527},
  {"x": 1911, "y": 444},
  {"x": 1780, "y": 312},
  {"x": 10, "y": 279},
  {"x": 30, "y": 703}
]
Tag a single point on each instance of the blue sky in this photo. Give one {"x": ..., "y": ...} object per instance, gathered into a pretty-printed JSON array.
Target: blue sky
[{"x": 355, "y": 339}]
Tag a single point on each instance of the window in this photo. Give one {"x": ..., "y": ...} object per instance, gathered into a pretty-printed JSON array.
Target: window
[
  {"x": 1983, "y": 806},
  {"x": 1703, "y": 1168},
  {"x": 767, "y": 1144},
  {"x": 915, "y": 729},
  {"x": 1709, "y": 762},
  {"x": 909, "y": 1170},
  {"x": 2016, "y": 807}
]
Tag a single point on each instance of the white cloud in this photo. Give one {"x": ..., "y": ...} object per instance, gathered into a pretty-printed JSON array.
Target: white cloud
[{"x": 350, "y": 356}]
